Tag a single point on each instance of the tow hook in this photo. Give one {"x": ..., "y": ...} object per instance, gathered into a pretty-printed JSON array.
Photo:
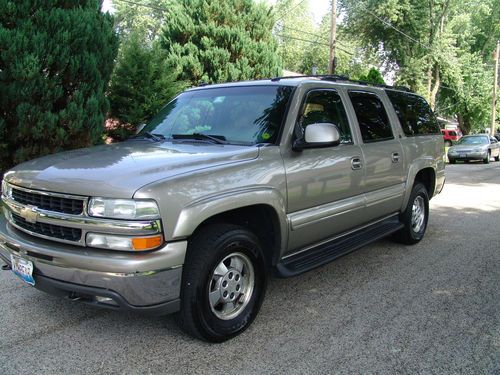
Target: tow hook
[{"x": 6, "y": 267}]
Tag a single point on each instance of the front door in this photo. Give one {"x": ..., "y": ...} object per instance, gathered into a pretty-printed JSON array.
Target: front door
[{"x": 324, "y": 185}]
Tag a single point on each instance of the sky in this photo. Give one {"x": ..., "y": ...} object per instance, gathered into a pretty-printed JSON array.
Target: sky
[{"x": 318, "y": 7}]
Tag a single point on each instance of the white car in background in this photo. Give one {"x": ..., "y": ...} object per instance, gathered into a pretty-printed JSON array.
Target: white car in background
[{"x": 475, "y": 147}]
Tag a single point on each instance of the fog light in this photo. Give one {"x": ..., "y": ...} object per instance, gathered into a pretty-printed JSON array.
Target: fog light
[{"x": 113, "y": 242}]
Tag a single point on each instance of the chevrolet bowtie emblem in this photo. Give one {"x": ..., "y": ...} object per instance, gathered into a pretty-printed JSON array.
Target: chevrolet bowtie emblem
[{"x": 29, "y": 214}]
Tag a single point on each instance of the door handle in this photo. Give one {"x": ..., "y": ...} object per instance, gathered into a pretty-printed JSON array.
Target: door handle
[
  {"x": 356, "y": 163},
  {"x": 395, "y": 157}
]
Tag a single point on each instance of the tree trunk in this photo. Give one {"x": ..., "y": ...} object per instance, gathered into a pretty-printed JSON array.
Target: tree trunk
[
  {"x": 435, "y": 89},
  {"x": 463, "y": 124}
]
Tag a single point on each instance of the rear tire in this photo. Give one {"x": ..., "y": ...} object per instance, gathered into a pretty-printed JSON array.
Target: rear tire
[
  {"x": 447, "y": 143},
  {"x": 415, "y": 216},
  {"x": 497, "y": 158},
  {"x": 223, "y": 282}
]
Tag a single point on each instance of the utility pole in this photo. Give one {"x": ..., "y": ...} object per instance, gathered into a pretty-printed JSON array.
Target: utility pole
[
  {"x": 495, "y": 86},
  {"x": 333, "y": 38}
]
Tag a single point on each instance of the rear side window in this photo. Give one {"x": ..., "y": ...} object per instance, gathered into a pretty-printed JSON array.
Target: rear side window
[
  {"x": 372, "y": 117},
  {"x": 453, "y": 133},
  {"x": 414, "y": 114}
]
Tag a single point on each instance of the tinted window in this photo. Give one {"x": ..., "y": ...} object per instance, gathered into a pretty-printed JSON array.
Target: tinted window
[
  {"x": 372, "y": 117},
  {"x": 325, "y": 106},
  {"x": 453, "y": 133},
  {"x": 242, "y": 115},
  {"x": 414, "y": 114}
]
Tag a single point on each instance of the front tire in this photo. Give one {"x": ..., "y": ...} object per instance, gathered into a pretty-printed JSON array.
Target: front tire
[
  {"x": 223, "y": 282},
  {"x": 452, "y": 161},
  {"x": 415, "y": 216},
  {"x": 487, "y": 159}
]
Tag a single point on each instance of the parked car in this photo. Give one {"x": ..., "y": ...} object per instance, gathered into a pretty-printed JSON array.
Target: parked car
[
  {"x": 475, "y": 147},
  {"x": 451, "y": 136},
  {"x": 226, "y": 183}
]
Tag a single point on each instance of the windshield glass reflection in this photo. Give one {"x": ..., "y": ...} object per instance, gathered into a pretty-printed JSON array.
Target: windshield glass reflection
[{"x": 239, "y": 115}]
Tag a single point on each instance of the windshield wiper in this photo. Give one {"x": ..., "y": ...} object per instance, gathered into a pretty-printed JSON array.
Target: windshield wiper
[
  {"x": 149, "y": 135},
  {"x": 219, "y": 139}
]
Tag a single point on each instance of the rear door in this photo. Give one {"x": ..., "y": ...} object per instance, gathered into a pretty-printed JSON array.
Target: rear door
[{"x": 382, "y": 155}]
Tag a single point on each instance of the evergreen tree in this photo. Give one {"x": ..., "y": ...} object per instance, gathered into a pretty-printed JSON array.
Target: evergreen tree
[
  {"x": 373, "y": 76},
  {"x": 221, "y": 40},
  {"x": 141, "y": 84},
  {"x": 56, "y": 57}
]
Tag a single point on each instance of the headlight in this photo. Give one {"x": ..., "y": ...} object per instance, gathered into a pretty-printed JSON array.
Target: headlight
[
  {"x": 6, "y": 189},
  {"x": 130, "y": 209}
]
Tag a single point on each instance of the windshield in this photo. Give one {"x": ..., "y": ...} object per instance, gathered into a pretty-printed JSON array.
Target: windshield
[
  {"x": 474, "y": 141},
  {"x": 238, "y": 115}
]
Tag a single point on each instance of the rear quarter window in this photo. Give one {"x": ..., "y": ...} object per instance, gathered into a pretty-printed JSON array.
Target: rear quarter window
[{"x": 414, "y": 114}]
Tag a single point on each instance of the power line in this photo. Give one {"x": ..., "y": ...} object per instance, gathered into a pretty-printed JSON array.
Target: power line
[
  {"x": 313, "y": 42},
  {"x": 289, "y": 11},
  {"x": 396, "y": 29},
  {"x": 316, "y": 35}
]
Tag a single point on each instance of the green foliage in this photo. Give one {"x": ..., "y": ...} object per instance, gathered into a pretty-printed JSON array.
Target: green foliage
[
  {"x": 56, "y": 58},
  {"x": 373, "y": 76},
  {"x": 142, "y": 83},
  {"x": 443, "y": 54},
  {"x": 293, "y": 28},
  {"x": 147, "y": 20},
  {"x": 221, "y": 40}
]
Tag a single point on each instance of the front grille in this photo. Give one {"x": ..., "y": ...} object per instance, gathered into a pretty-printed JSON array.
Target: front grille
[
  {"x": 48, "y": 202},
  {"x": 49, "y": 230}
]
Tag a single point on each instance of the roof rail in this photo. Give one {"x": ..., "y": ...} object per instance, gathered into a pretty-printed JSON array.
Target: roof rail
[{"x": 342, "y": 78}]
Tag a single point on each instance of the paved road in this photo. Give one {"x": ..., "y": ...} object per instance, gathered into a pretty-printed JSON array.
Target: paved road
[{"x": 433, "y": 308}]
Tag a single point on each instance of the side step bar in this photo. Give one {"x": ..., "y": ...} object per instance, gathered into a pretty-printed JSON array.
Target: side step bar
[{"x": 326, "y": 252}]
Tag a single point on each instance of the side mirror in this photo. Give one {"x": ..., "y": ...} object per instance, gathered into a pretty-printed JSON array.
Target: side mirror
[
  {"x": 139, "y": 128},
  {"x": 318, "y": 136}
]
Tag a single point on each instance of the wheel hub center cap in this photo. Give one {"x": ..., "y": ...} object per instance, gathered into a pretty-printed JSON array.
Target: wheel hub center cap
[{"x": 231, "y": 285}]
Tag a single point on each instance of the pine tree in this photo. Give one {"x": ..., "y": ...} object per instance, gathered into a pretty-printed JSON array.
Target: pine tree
[
  {"x": 221, "y": 40},
  {"x": 141, "y": 84},
  {"x": 56, "y": 58}
]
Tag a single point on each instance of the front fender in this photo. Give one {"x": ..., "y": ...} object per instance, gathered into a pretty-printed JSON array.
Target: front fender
[{"x": 194, "y": 214}]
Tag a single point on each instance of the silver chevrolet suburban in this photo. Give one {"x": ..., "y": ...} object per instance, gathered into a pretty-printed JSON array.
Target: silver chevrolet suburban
[{"x": 227, "y": 184}]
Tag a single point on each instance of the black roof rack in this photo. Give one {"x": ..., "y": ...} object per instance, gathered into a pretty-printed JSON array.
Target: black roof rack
[{"x": 341, "y": 78}]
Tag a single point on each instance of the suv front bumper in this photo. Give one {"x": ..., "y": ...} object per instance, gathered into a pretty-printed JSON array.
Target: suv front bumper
[{"x": 148, "y": 282}]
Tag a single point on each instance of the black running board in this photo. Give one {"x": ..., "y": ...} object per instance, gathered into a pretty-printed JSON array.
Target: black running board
[{"x": 326, "y": 252}]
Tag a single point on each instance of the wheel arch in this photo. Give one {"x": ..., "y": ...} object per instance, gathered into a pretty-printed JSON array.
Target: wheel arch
[
  {"x": 262, "y": 211},
  {"x": 421, "y": 172}
]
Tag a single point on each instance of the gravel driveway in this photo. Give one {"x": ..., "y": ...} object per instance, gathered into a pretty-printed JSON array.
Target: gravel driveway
[{"x": 433, "y": 308}]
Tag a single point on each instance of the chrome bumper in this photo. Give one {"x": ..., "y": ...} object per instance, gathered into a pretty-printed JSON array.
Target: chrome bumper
[{"x": 141, "y": 280}]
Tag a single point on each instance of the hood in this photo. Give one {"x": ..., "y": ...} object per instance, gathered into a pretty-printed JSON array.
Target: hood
[{"x": 121, "y": 169}]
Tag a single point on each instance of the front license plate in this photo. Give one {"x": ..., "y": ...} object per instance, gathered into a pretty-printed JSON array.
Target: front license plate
[
  {"x": 462, "y": 156},
  {"x": 23, "y": 268}
]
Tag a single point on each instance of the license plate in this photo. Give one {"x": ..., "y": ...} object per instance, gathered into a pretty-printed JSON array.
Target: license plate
[
  {"x": 462, "y": 156},
  {"x": 23, "y": 268}
]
